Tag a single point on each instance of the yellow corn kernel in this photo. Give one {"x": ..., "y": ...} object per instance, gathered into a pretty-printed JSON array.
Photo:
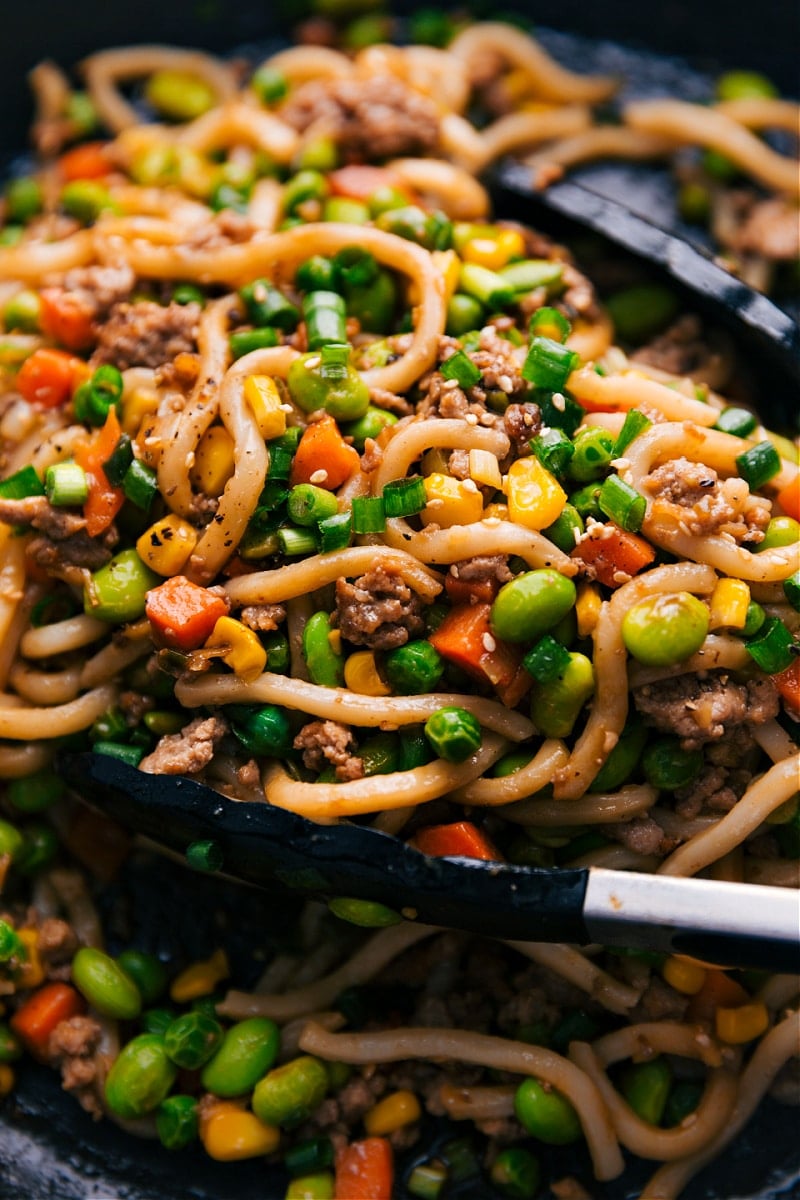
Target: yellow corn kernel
[
  {"x": 535, "y": 497},
  {"x": 200, "y": 979},
  {"x": 7, "y": 1080},
  {"x": 245, "y": 656},
  {"x": 684, "y": 975},
  {"x": 232, "y": 1133},
  {"x": 743, "y": 1024},
  {"x": 484, "y": 468},
  {"x": 729, "y": 602},
  {"x": 448, "y": 265},
  {"x": 495, "y": 251},
  {"x": 361, "y": 675},
  {"x": 213, "y": 461},
  {"x": 587, "y": 608},
  {"x": 262, "y": 394},
  {"x": 167, "y": 544},
  {"x": 137, "y": 405},
  {"x": 451, "y": 501},
  {"x": 335, "y": 640},
  {"x": 391, "y": 1113},
  {"x": 31, "y": 971},
  {"x": 496, "y": 512}
]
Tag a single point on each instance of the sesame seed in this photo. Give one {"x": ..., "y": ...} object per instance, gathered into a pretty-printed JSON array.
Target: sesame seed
[
  {"x": 435, "y": 503},
  {"x": 449, "y": 385},
  {"x": 152, "y": 441},
  {"x": 469, "y": 485},
  {"x": 287, "y": 408},
  {"x": 489, "y": 644},
  {"x": 620, "y": 464},
  {"x": 471, "y": 419},
  {"x": 319, "y": 476},
  {"x": 505, "y": 383},
  {"x": 189, "y": 460},
  {"x": 313, "y": 363},
  {"x": 559, "y": 402}
]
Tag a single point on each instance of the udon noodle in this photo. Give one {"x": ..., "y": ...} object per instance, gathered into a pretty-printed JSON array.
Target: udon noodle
[{"x": 323, "y": 487}]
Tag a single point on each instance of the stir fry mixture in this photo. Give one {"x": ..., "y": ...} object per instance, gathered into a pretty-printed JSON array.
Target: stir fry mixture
[{"x": 326, "y": 489}]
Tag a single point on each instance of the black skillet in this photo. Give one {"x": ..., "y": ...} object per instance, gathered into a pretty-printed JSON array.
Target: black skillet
[{"x": 47, "y": 1146}]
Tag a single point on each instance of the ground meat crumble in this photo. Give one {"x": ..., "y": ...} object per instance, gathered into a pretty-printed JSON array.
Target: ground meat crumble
[
  {"x": 378, "y": 610},
  {"x": 329, "y": 743},
  {"x": 188, "y": 751},
  {"x": 693, "y": 495},
  {"x": 700, "y": 708}
]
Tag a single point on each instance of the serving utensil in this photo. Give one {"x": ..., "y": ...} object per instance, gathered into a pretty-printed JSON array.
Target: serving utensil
[{"x": 727, "y": 923}]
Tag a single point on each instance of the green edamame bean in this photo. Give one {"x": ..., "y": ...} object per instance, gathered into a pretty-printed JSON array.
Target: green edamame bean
[
  {"x": 149, "y": 975},
  {"x": 509, "y": 764},
  {"x": 516, "y": 1173},
  {"x": 290, "y": 1093},
  {"x": 140, "y": 1077},
  {"x": 369, "y": 426},
  {"x": 369, "y": 914},
  {"x": 555, "y": 706},
  {"x": 192, "y": 1038},
  {"x": 119, "y": 589},
  {"x": 106, "y": 986},
  {"x": 248, "y": 1049},
  {"x": 325, "y": 666},
  {"x": 176, "y": 1121},
  {"x": 179, "y": 95},
  {"x": 646, "y": 1087},
  {"x": 526, "y": 607},
  {"x": 546, "y": 1113},
  {"x": 35, "y": 793},
  {"x": 741, "y": 85},
  {"x": 781, "y": 531},
  {"x": 315, "y": 383},
  {"x": 667, "y": 766},
  {"x": 621, "y": 762},
  {"x": 640, "y": 311},
  {"x": 663, "y": 630}
]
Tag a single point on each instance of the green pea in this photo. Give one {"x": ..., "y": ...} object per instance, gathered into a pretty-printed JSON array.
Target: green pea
[
  {"x": 463, "y": 314},
  {"x": 179, "y": 95},
  {"x": 546, "y": 1113},
  {"x": 621, "y": 762},
  {"x": 319, "y": 1186},
  {"x": 454, "y": 733},
  {"x": 24, "y": 199},
  {"x": 373, "y": 304},
  {"x": 663, "y": 630},
  {"x": 82, "y": 113},
  {"x": 526, "y": 607},
  {"x": 85, "y": 199},
  {"x": 754, "y": 619},
  {"x": 305, "y": 185},
  {"x": 369, "y": 426},
  {"x": 22, "y": 312},
  {"x": 140, "y": 1077},
  {"x": 555, "y": 706},
  {"x": 35, "y": 793},
  {"x": 563, "y": 531},
  {"x": 119, "y": 589},
  {"x": 191, "y": 1039},
  {"x": 176, "y": 1121},
  {"x": 262, "y": 731},
  {"x": 290, "y": 1093},
  {"x": 40, "y": 848},
  {"x": 641, "y": 311},
  {"x": 367, "y": 913},
  {"x": 593, "y": 451},
  {"x": 781, "y": 531},
  {"x": 11, "y": 840},
  {"x": 509, "y": 764},
  {"x": 149, "y": 975},
  {"x": 248, "y": 1049},
  {"x": 585, "y": 503},
  {"x": 667, "y": 766},
  {"x": 188, "y": 293},
  {"x": 380, "y": 754},
  {"x": 646, "y": 1087},
  {"x": 414, "y": 668},
  {"x": 10, "y": 1045},
  {"x": 312, "y": 385},
  {"x": 743, "y": 85},
  {"x": 325, "y": 666},
  {"x": 682, "y": 1100},
  {"x": 269, "y": 84},
  {"x": 105, "y": 985},
  {"x": 516, "y": 1173}
]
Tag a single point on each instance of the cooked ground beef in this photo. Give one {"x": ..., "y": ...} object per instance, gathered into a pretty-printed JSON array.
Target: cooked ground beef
[
  {"x": 660, "y": 1002},
  {"x": 369, "y": 118},
  {"x": 390, "y": 402},
  {"x": 702, "y": 708},
  {"x": 693, "y": 495},
  {"x": 39, "y": 513},
  {"x": 378, "y": 610},
  {"x": 57, "y": 940},
  {"x": 642, "y": 835},
  {"x": 72, "y": 1046},
  {"x": 681, "y": 350},
  {"x": 186, "y": 752},
  {"x": 68, "y": 558},
  {"x": 325, "y": 743},
  {"x": 522, "y": 422},
  {"x": 499, "y": 363},
  {"x": 767, "y": 227},
  {"x": 98, "y": 288},
  {"x": 227, "y": 228},
  {"x": 262, "y": 617},
  {"x": 147, "y": 334},
  {"x": 483, "y": 568}
]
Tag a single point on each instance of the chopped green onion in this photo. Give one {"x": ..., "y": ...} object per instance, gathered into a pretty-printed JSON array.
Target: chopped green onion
[
  {"x": 635, "y": 423},
  {"x": 10, "y": 942},
  {"x": 622, "y": 503},
  {"x": 294, "y": 542},
  {"x": 404, "y": 497},
  {"x": 773, "y": 649},
  {"x": 553, "y": 449},
  {"x": 115, "y": 467},
  {"x": 187, "y": 293},
  {"x": 549, "y": 364},
  {"x": 66, "y": 485},
  {"x": 547, "y": 661},
  {"x": 533, "y": 273},
  {"x": 21, "y": 484},
  {"x": 269, "y": 84},
  {"x": 738, "y": 421},
  {"x": 355, "y": 266},
  {"x": 325, "y": 317},
  {"x": 305, "y": 185},
  {"x": 754, "y": 619},
  {"x": 205, "y": 856},
  {"x": 317, "y": 274},
  {"x": 489, "y": 287},
  {"x": 140, "y": 484},
  {"x": 313, "y": 1154},
  {"x": 280, "y": 461},
  {"x": 369, "y": 514},
  {"x": 244, "y": 341},
  {"x": 335, "y": 357},
  {"x": 132, "y": 755},
  {"x": 461, "y": 368},
  {"x": 225, "y": 195},
  {"x": 463, "y": 314},
  {"x": 94, "y": 399},
  {"x": 758, "y": 463},
  {"x": 335, "y": 532},
  {"x": 566, "y": 413},
  {"x": 308, "y": 504},
  {"x": 548, "y": 321},
  {"x": 594, "y": 449},
  {"x": 265, "y": 305},
  {"x": 562, "y": 532},
  {"x": 791, "y": 590}
]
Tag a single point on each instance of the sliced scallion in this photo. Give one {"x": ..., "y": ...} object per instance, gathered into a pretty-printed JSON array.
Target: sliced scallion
[
  {"x": 294, "y": 542},
  {"x": 369, "y": 514},
  {"x": 404, "y": 497},
  {"x": 758, "y": 463},
  {"x": 738, "y": 421},
  {"x": 461, "y": 368},
  {"x": 635, "y": 423},
  {"x": 549, "y": 322},
  {"x": 21, "y": 484},
  {"x": 773, "y": 649},
  {"x": 335, "y": 532},
  {"x": 622, "y": 503},
  {"x": 554, "y": 450},
  {"x": 66, "y": 485},
  {"x": 140, "y": 484},
  {"x": 549, "y": 364}
]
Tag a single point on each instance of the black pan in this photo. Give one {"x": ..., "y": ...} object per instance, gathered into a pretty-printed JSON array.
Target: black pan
[{"x": 48, "y": 1148}]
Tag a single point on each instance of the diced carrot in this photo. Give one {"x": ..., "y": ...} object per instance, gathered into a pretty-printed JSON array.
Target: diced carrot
[
  {"x": 36, "y": 1019},
  {"x": 718, "y": 990},
  {"x": 615, "y": 553},
  {"x": 322, "y": 448},
  {"x": 465, "y": 638},
  {"x": 104, "y": 501},
  {"x": 49, "y": 377},
  {"x": 365, "y": 1170},
  {"x": 67, "y": 318},
  {"x": 87, "y": 161},
  {"x": 359, "y": 182},
  {"x": 789, "y": 498},
  {"x": 182, "y": 613},
  {"x": 462, "y": 839},
  {"x": 788, "y": 685}
]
